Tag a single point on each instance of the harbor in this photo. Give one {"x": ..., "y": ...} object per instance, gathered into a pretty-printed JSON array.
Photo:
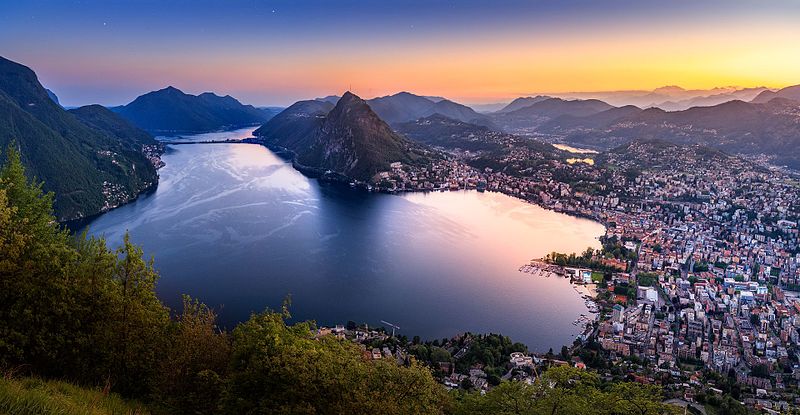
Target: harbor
[{"x": 580, "y": 280}]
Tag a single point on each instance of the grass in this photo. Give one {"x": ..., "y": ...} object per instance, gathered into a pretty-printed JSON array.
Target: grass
[
  {"x": 31, "y": 396},
  {"x": 597, "y": 277}
]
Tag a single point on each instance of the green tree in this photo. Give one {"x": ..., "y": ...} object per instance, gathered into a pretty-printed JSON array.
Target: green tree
[
  {"x": 279, "y": 369},
  {"x": 139, "y": 320},
  {"x": 191, "y": 375},
  {"x": 637, "y": 399},
  {"x": 36, "y": 313}
]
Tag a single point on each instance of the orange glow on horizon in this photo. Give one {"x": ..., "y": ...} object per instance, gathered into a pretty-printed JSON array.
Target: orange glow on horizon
[{"x": 475, "y": 70}]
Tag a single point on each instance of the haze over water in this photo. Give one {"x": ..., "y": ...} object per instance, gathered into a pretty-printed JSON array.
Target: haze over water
[{"x": 237, "y": 227}]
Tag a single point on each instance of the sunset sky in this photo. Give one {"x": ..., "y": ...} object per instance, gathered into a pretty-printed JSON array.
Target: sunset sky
[{"x": 276, "y": 52}]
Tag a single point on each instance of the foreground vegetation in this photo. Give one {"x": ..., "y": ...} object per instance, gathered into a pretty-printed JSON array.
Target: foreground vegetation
[
  {"x": 34, "y": 396},
  {"x": 72, "y": 309}
]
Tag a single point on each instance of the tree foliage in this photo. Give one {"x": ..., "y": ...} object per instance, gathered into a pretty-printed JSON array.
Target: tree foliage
[{"x": 565, "y": 390}]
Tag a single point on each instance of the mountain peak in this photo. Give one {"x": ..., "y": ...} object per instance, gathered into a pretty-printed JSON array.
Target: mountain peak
[
  {"x": 347, "y": 97},
  {"x": 168, "y": 90}
]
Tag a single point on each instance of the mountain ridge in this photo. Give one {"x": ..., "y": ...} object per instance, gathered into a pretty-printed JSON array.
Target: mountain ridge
[
  {"x": 90, "y": 169},
  {"x": 350, "y": 139},
  {"x": 170, "y": 110}
]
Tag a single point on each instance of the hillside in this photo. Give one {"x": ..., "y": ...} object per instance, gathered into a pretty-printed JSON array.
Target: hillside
[
  {"x": 569, "y": 122},
  {"x": 170, "y": 110},
  {"x": 440, "y": 131},
  {"x": 654, "y": 154},
  {"x": 90, "y": 169},
  {"x": 295, "y": 126},
  {"x": 353, "y": 141}
]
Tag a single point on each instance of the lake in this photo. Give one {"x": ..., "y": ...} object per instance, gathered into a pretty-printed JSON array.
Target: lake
[
  {"x": 237, "y": 134},
  {"x": 237, "y": 227},
  {"x": 575, "y": 149}
]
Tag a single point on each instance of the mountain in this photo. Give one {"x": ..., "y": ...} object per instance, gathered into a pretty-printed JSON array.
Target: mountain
[
  {"x": 401, "y": 107},
  {"x": 90, "y": 169},
  {"x": 772, "y": 128},
  {"x": 170, "y": 110},
  {"x": 528, "y": 118},
  {"x": 554, "y": 107},
  {"x": 488, "y": 108},
  {"x": 522, "y": 102},
  {"x": 745, "y": 94},
  {"x": 270, "y": 112},
  {"x": 295, "y": 126},
  {"x": 565, "y": 123},
  {"x": 670, "y": 98},
  {"x": 791, "y": 92},
  {"x": 405, "y": 106},
  {"x": 459, "y": 112},
  {"x": 350, "y": 139}
]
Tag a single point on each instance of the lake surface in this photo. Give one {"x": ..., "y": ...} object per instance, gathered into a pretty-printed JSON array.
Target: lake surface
[
  {"x": 575, "y": 149},
  {"x": 238, "y": 134},
  {"x": 237, "y": 227}
]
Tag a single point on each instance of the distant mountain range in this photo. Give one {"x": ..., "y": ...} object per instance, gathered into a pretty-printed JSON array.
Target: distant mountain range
[
  {"x": 771, "y": 128},
  {"x": 405, "y": 106},
  {"x": 170, "y": 110},
  {"x": 350, "y": 139},
  {"x": 669, "y": 98},
  {"x": 522, "y": 102},
  {"x": 89, "y": 157},
  {"x": 791, "y": 92},
  {"x": 521, "y": 118}
]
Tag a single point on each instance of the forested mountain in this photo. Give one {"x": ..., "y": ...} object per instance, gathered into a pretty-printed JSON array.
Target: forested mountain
[
  {"x": 89, "y": 167},
  {"x": 170, "y": 110},
  {"x": 295, "y": 126},
  {"x": 353, "y": 141}
]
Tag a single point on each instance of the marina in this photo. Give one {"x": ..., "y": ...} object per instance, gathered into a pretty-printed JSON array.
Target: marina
[{"x": 587, "y": 291}]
